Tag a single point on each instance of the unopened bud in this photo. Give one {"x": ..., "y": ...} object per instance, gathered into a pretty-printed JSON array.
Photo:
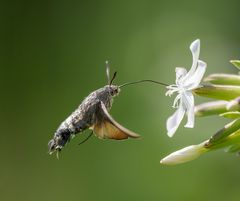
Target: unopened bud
[
  {"x": 211, "y": 108},
  {"x": 184, "y": 155},
  {"x": 234, "y": 104},
  {"x": 222, "y": 92},
  {"x": 223, "y": 79}
]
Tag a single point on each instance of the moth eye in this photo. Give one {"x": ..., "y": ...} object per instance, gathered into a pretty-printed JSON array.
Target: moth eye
[{"x": 112, "y": 92}]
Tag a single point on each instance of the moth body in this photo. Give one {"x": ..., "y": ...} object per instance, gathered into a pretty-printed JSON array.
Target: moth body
[
  {"x": 84, "y": 117},
  {"x": 92, "y": 113}
]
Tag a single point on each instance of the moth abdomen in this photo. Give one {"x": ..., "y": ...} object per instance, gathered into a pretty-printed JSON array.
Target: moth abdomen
[
  {"x": 73, "y": 125},
  {"x": 61, "y": 137}
]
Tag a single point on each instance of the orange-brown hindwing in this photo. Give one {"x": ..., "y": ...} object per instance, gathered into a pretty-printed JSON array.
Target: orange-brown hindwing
[{"x": 107, "y": 127}]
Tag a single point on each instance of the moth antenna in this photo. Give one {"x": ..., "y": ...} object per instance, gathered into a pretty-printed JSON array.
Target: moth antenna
[
  {"x": 114, "y": 76},
  {"x": 140, "y": 81},
  {"x": 108, "y": 72},
  {"x": 88, "y": 137}
]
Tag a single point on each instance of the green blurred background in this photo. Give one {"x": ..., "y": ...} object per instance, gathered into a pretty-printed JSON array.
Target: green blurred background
[{"x": 52, "y": 56}]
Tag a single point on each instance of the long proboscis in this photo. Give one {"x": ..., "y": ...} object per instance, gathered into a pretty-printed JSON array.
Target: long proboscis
[{"x": 140, "y": 81}]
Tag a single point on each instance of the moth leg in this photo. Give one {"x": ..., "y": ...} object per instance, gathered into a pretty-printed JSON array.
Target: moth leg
[{"x": 88, "y": 137}]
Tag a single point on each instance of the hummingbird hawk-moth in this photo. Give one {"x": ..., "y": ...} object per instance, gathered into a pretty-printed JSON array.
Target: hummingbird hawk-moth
[{"x": 93, "y": 113}]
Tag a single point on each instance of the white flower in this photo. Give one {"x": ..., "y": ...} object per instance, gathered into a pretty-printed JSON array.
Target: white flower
[
  {"x": 185, "y": 83},
  {"x": 184, "y": 155}
]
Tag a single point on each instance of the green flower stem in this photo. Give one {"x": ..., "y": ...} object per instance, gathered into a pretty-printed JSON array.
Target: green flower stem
[
  {"x": 226, "y": 131},
  {"x": 222, "y": 92},
  {"x": 211, "y": 108},
  {"x": 223, "y": 79}
]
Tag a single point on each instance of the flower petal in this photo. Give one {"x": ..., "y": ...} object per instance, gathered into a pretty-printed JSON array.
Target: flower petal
[
  {"x": 174, "y": 121},
  {"x": 195, "y": 49},
  {"x": 188, "y": 101},
  {"x": 191, "y": 117},
  {"x": 194, "y": 81},
  {"x": 180, "y": 73}
]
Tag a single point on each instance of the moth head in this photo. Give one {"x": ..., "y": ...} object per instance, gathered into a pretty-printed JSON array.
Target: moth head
[{"x": 113, "y": 90}]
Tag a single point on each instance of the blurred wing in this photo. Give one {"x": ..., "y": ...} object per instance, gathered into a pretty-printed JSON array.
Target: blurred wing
[{"x": 107, "y": 127}]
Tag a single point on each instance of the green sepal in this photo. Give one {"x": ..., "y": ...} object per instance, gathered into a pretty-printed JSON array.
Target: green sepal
[
  {"x": 233, "y": 148},
  {"x": 223, "y": 79},
  {"x": 225, "y": 131},
  {"x": 236, "y": 63},
  {"x": 232, "y": 139},
  {"x": 231, "y": 115},
  {"x": 221, "y": 92}
]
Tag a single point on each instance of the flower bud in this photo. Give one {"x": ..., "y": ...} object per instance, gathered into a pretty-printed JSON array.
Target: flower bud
[
  {"x": 211, "y": 108},
  {"x": 184, "y": 155},
  {"x": 223, "y": 79},
  {"x": 234, "y": 104},
  {"x": 222, "y": 92}
]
